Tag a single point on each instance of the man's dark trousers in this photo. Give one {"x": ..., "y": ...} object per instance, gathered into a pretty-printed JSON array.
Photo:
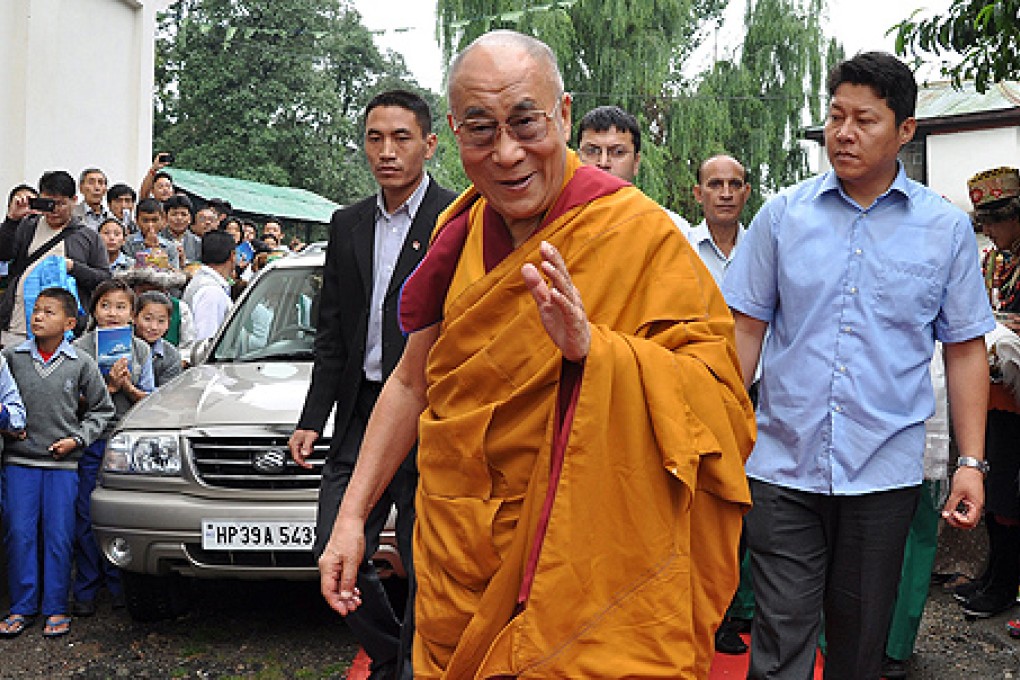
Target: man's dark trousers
[
  {"x": 814, "y": 552},
  {"x": 374, "y": 623}
]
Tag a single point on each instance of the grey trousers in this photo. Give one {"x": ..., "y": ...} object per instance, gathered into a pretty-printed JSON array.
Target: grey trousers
[{"x": 816, "y": 553}]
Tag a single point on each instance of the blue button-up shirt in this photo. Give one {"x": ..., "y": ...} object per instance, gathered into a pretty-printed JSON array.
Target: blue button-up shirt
[{"x": 855, "y": 298}]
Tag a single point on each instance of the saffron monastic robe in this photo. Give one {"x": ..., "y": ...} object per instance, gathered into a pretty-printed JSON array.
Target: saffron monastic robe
[{"x": 575, "y": 520}]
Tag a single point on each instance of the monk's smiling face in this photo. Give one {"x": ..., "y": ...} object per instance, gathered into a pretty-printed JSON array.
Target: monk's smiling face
[{"x": 512, "y": 121}]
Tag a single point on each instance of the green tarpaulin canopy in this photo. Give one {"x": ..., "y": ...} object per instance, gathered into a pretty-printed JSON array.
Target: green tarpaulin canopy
[{"x": 256, "y": 198}]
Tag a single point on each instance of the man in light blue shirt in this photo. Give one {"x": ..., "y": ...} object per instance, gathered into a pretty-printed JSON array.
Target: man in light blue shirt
[
  {"x": 855, "y": 273},
  {"x": 722, "y": 191}
]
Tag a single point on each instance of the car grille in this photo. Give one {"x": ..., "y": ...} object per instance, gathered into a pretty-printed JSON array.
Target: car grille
[
  {"x": 254, "y": 463},
  {"x": 282, "y": 559}
]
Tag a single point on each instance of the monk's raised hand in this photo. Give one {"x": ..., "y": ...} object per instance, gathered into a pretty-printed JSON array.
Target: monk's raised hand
[{"x": 559, "y": 303}]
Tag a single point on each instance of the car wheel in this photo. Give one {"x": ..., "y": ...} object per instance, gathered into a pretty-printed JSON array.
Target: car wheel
[{"x": 154, "y": 598}]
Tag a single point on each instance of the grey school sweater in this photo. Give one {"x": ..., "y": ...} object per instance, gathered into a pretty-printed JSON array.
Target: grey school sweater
[
  {"x": 166, "y": 362},
  {"x": 140, "y": 355},
  {"x": 50, "y": 392}
]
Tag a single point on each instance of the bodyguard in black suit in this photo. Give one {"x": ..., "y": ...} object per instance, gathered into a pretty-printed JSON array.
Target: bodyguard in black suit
[{"x": 373, "y": 246}]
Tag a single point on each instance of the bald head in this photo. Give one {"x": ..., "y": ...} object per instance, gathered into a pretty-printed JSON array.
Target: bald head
[
  {"x": 533, "y": 47},
  {"x": 722, "y": 190},
  {"x": 511, "y": 119}
]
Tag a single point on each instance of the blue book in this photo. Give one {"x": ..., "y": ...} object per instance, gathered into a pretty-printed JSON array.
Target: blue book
[
  {"x": 111, "y": 345},
  {"x": 245, "y": 252}
]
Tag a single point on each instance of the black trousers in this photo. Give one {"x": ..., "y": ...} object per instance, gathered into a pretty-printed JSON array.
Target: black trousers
[
  {"x": 813, "y": 553},
  {"x": 385, "y": 638}
]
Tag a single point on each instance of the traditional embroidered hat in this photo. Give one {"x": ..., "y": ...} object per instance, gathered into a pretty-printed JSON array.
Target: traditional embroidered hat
[{"x": 989, "y": 190}]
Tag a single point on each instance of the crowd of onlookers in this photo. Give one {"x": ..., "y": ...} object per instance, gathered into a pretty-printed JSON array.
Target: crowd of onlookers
[{"x": 155, "y": 271}]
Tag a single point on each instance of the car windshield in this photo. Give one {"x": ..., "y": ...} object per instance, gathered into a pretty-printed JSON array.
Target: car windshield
[{"x": 275, "y": 319}]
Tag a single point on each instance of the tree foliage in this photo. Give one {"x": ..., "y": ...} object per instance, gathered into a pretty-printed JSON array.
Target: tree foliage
[
  {"x": 985, "y": 33},
  {"x": 760, "y": 100},
  {"x": 632, "y": 53},
  {"x": 246, "y": 89}
]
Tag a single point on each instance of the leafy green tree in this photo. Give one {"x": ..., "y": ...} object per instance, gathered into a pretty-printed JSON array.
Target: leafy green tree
[
  {"x": 270, "y": 91},
  {"x": 985, "y": 33},
  {"x": 759, "y": 102}
]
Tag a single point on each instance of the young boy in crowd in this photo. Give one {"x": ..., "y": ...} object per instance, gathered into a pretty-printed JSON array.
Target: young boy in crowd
[
  {"x": 159, "y": 252},
  {"x": 114, "y": 234},
  {"x": 153, "y": 310},
  {"x": 120, "y": 200},
  {"x": 40, "y": 469},
  {"x": 129, "y": 380},
  {"x": 179, "y": 212}
]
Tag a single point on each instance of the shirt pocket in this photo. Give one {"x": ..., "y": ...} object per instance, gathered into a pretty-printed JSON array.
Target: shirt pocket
[{"x": 907, "y": 294}]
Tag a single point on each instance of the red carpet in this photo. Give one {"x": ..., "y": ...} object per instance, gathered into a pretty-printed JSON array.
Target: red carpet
[
  {"x": 360, "y": 667},
  {"x": 732, "y": 666},
  {"x": 725, "y": 666}
]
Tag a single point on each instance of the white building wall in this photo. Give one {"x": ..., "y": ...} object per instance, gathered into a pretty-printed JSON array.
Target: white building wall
[
  {"x": 76, "y": 82},
  {"x": 953, "y": 158}
]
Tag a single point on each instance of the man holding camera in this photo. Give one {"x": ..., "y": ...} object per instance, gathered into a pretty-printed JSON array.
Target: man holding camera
[
  {"x": 36, "y": 228},
  {"x": 157, "y": 182}
]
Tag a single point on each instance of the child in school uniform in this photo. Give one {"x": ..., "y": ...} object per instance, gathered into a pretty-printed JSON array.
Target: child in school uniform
[
  {"x": 40, "y": 469},
  {"x": 153, "y": 310},
  {"x": 128, "y": 381}
]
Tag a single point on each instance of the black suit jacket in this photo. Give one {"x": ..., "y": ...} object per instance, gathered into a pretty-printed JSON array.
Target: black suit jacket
[{"x": 344, "y": 306}]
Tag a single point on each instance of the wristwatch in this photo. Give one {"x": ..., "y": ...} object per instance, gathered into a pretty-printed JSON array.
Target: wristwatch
[{"x": 970, "y": 461}]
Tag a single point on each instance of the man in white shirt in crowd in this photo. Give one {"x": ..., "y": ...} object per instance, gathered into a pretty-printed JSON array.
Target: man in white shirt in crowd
[
  {"x": 722, "y": 190},
  {"x": 208, "y": 292}
]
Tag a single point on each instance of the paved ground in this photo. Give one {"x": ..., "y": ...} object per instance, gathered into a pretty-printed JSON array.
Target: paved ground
[
  {"x": 282, "y": 630},
  {"x": 948, "y": 646}
]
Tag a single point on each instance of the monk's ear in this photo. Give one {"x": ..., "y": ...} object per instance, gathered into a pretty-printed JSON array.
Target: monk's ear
[{"x": 565, "y": 105}]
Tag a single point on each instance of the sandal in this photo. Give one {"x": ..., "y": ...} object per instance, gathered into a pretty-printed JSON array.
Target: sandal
[
  {"x": 14, "y": 625},
  {"x": 57, "y": 626}
]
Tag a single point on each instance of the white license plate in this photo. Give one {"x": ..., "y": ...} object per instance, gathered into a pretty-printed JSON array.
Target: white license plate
[{"x": 220, "y": 534}]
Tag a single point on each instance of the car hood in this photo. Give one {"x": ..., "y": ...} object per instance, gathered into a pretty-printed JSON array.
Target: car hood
[{"x": 265, "y": 394}]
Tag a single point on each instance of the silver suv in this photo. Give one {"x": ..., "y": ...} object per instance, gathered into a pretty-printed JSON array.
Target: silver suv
[{"x": 197, "y": 481}]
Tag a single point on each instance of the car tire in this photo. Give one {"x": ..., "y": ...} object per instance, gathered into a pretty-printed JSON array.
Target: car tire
[{"x": 154, "y": 598}]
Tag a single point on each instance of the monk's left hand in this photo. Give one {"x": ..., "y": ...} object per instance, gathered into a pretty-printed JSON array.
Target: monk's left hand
[{"x": 559, "y": 304}]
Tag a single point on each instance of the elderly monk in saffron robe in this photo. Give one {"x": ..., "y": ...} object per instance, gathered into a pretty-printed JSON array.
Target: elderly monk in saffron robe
[{"x": 572, "y": 378}]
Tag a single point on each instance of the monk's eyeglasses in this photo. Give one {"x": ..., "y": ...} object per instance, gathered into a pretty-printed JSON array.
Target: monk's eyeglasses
[{"x": 527, "y": 127}]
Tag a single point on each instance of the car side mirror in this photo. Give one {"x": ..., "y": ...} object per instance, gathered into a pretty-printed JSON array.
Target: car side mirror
[{"x": 200, "y": 351}]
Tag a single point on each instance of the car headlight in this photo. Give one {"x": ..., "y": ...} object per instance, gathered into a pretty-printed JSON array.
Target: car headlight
[{"x": 150, "y": 454}]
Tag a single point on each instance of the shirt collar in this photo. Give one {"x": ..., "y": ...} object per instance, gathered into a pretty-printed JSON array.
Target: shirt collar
[
  {"x": 830, "y": 182},
  {"x": 412, "y": 203},
  {"x": 64, "y": 348},
  {"x": 220, "y": 279},
  {"x": 157, "y": 347},
  {"x": 701, "y": 233}
]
